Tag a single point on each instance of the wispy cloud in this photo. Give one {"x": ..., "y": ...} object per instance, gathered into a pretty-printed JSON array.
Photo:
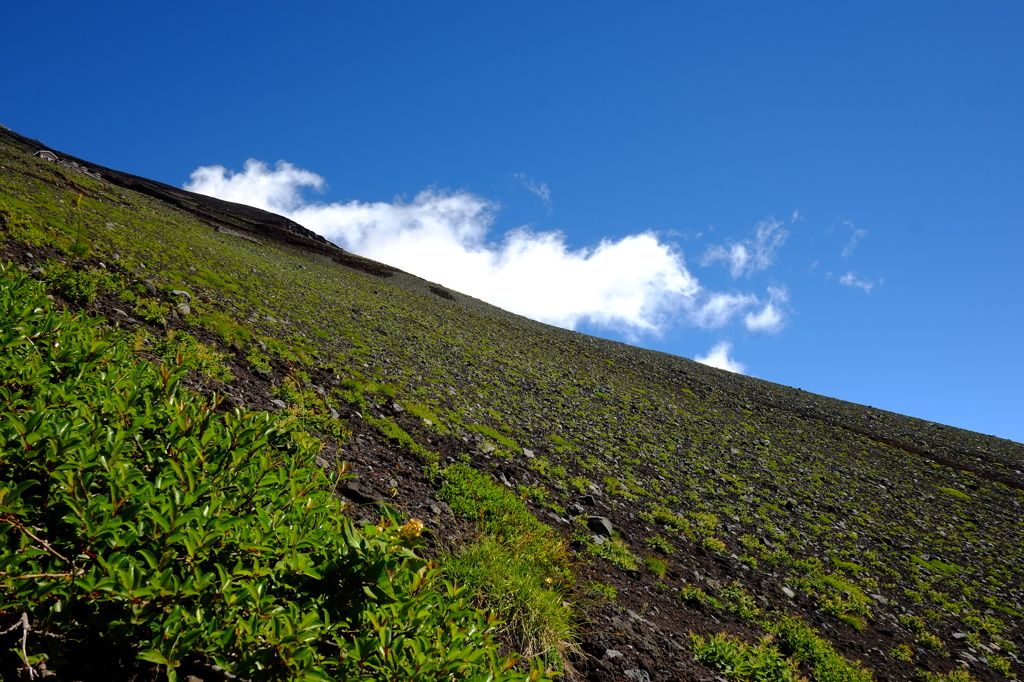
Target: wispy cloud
[
  {"x": 718, "y": 309},
  {"x": 850, "y": 279},
  {"x": 718, "y": 357},
  {"x": 750, "y": 255},
  {"x": 540, "y": 190},
  {"x": 856, "y": 234},
  {"x": 636, "y": 285}
]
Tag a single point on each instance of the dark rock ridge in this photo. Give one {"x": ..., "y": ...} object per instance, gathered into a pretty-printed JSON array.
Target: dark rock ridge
[{"x": 218, "y": 213}]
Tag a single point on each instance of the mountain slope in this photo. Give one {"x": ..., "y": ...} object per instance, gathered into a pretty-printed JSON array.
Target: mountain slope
[{"x": 734, "y": 503}]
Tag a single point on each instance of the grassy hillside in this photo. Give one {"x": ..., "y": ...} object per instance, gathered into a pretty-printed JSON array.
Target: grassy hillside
[{"x": 739, "y": 511}]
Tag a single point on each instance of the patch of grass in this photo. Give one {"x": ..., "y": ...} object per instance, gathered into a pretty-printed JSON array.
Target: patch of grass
[
  {"x": 691, "y": 594},
  {"x": 516, "y": 565},
  {"x": 494, "y": 435},
  {"x": 658, "y": 567},
  {"x": 954, "y": 675},
  {"x": 605, "y": 590},
  {"x": 809, "y": 648},
  {"x": 957, "y": 494},
  {"x": 391, "y": 430}
]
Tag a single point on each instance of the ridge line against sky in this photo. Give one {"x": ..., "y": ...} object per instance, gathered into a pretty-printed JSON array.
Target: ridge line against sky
[{"x": 824, "y": 196}]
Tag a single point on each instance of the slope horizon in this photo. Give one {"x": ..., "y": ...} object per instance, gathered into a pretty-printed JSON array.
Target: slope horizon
[
  {"x": 822, "y": 197},
  {"x": 717, "y": 356}
]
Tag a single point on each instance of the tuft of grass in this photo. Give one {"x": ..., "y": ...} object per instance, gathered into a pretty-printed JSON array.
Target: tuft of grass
[
  {"x": 658, "y": 567},
  {"x": 517, "y": 566}
]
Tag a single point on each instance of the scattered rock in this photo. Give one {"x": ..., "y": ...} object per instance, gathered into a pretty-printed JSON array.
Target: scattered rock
[
  {"x": 358, "y": 493},
  {"x": 278, "y": 404},
  {"x": 600, "y": 525}
]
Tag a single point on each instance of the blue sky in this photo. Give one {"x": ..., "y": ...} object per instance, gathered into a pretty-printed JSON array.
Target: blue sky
[{"x": 829, "y": 197}]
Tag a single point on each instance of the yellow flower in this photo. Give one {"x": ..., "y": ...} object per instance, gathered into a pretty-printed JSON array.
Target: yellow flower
[{"x": 410, "y": 530}]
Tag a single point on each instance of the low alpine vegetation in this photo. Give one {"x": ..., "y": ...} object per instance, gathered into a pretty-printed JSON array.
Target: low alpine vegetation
[{"x": 193, "y": 538}]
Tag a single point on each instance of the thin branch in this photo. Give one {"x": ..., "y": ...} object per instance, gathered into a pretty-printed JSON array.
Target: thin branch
[
  {"x": 17, "y": 524},
  {"x": 24, "y": 642},
  {"x": 32, "y": 576}
]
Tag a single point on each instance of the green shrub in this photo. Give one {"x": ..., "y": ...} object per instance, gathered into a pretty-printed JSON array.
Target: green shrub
[
  {"x": 901, "y": 652},
  {"x": 152, "y": 311},
  {"x": 738, "y": 660},
  {"x": 954, "y": 675},
  {"x": 79, "y": 286},
  {"x": 617, "y": 553},
  {"x": 181, "y": 348},
  {"x": 660, "y": 544},
  {"x": 712, "y": 544},
  {"x": 139, "y": 524},
  {"x": 811, "y": 649}
]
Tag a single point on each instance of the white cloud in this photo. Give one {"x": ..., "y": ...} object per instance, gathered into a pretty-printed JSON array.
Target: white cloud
[
  {"x": 718, "y": 357},
  {"x": 636, "y": 284},
  {"x": 275, "y": 190},
  {"x": 750, "y": 255},
  {"x": 850, "y": 279},
  {"x": 770, "y": 318},
  {"x": 541, "y": 190},
  {"x": 856, "y": 234}
]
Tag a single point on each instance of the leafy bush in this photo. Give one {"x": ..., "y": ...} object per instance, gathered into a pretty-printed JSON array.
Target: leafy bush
[
  {"x": 737, "y": 660},
  {"x": 139, "y": 524},
  {"x": 656, "y": 542},
  {"x": 617, "y": 553},
  {"x": 76, "y": 285},
  {"x": 712, "y": 544},
  {"x": 808, "y": 647},
  {"x": 954, "y": 675},
  {"x": 183, "y": 349}
]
